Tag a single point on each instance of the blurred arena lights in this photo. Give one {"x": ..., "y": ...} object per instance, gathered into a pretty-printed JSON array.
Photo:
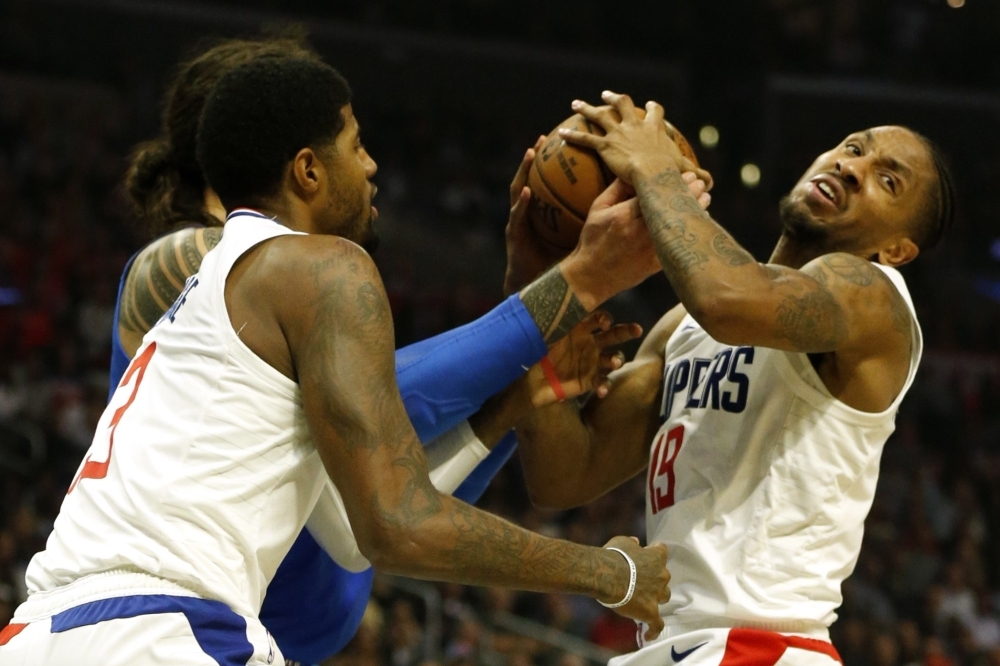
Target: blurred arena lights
[
  {"x": 750, "y": 175},
  {"x": 995, "y": 249},
  {"x": 955, "y": 4},
  {"x": 709, "y": 136}
]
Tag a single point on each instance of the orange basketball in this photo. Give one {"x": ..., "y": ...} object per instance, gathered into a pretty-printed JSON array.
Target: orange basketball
[{"x": 565, "y": 179}]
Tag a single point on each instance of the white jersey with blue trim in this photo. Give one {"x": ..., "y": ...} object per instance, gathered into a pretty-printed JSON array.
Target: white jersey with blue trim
[
  {"x": 201, "y": 471},
  {"x": 759, "y": 482}
]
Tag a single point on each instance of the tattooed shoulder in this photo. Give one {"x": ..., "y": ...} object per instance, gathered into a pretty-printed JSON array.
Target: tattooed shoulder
[
  {"x": 855, "y": 270},
  {"x": 158, "y": 274}
]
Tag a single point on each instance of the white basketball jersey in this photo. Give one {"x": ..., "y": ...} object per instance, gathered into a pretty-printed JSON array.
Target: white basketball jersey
[
  {"x": 759, "y": 482},
  {"x": 201, "y": 471}
]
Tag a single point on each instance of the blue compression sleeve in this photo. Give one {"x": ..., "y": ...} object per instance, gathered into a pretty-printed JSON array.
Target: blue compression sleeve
[{"x": 446, "y": 379}]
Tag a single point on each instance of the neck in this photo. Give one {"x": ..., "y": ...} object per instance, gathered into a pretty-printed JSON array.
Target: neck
[
  {"x": 788, "y": 252},
  {"x": 292, "y": 213}
]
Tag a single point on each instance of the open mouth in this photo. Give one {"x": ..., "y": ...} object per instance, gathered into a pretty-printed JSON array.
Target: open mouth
[{"x": 828, "y": 190}]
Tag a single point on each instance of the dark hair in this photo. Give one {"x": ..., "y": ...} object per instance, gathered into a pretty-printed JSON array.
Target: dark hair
[
  {"x": 940, "y": 214},
  {"x": 259, "y": 116},
  {"x": 164, "y": 184}
]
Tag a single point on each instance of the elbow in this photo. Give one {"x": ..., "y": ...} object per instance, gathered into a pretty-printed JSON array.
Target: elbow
[{"x": 389, "y": 546}]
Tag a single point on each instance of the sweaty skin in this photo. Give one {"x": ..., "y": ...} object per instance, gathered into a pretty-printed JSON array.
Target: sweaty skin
[{"x": 824, "y": 299}]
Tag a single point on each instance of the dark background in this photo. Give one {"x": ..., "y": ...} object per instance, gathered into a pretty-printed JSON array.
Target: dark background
[{"x": 449, "y": 94}]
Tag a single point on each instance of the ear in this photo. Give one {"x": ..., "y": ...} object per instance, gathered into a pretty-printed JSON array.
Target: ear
[
  {"x": 901, "y": 251},
  {"x": 307, "y": 172}
]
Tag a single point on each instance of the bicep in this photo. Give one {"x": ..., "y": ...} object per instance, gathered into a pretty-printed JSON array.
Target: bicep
[
  {"x": 833, "y": 303},
  {"x": 340, "y": 334}
]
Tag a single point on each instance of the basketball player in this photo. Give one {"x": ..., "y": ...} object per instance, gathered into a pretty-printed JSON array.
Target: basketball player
[
  {"x": 272, "y": 370},
  {"x": 313, "y": 606},
  {"x": 760, "y": 405}
]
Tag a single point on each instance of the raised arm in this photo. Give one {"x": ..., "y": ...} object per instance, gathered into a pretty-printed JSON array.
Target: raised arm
[
  {"x": 835, "y": 303},
  {"x": 340, "y": 335}
]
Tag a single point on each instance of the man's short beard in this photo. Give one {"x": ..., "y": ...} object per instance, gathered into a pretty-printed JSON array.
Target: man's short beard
[{"x": 798, "y": 225}]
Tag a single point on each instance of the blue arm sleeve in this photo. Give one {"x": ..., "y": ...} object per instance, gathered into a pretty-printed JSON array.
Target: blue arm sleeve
[{"x": 446, "y": 379}]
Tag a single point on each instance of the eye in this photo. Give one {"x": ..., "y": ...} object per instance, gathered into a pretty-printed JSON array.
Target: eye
[
  {"x": 854, "y": 149},
  {"x": 890, "y": 183}
]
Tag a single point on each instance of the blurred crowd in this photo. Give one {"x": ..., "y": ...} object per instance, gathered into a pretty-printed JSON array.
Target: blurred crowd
[{"x": 927, "y": 586}]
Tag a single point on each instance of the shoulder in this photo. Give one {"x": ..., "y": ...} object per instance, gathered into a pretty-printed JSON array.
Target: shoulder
[
  {"x": 183, "y": 249},
  {"x": 307, "y": 278},
  {"x": 314, "y": 261}
]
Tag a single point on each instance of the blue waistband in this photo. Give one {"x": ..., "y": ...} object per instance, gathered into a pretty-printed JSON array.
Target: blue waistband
[{"x": 221, "y": 633}]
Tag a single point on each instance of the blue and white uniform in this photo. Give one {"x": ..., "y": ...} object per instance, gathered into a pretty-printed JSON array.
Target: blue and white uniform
[
  {"x": 759, "y": 482},
  {"x": 313, "y": 606}
]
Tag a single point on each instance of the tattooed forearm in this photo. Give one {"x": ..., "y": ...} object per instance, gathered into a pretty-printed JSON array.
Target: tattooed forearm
[
  {"x": 687, "y": 239},
  {"x": 510, "y": 556},
  {"x": 553, "y": 305},
  {"x": 726, "y": 248},
  {"x": 341, "y": 342}
]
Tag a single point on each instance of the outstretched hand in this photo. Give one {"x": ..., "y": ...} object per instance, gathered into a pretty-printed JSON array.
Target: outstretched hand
[
  {"x": 582, "y": 360},
  {"x": 631, "y": 145}
]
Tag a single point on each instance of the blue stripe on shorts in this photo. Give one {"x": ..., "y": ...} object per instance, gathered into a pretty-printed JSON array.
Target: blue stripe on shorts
[{"x": 221, "y": 633}]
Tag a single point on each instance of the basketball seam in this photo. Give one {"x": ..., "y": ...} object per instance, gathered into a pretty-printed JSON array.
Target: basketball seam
[{"x": 562, "y": 202}]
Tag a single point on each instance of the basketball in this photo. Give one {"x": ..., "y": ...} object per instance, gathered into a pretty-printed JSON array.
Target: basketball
[{"x": 565, "y": 179}]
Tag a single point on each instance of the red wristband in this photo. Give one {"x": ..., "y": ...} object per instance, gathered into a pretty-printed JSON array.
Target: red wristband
[{"x": 550, "y": 374}]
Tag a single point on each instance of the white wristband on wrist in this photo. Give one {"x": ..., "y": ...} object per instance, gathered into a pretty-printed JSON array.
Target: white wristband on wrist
[{"x": 631, "y": 581}]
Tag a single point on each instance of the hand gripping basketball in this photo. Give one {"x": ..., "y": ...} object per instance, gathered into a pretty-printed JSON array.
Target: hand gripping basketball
[
  {"x": 634, "y": 142},
  {"x": 652, "y": 583}
]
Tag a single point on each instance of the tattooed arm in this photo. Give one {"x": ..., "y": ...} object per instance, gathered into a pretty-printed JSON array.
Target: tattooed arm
[
  {"x": 832, "y": 304},
  {"x": 332, "y": 312},
  {"x": 614, "y": 253},
  {"x": 156, "y": 279}
]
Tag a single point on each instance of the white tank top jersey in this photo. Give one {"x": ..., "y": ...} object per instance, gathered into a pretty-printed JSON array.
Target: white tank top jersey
[
  {"x": 759, "y": 482},
  {"x": 201, "y": 471}
]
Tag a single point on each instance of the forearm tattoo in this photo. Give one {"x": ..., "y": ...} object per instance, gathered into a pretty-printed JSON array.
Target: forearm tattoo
[
  {"x": 348, "y": 360},
  {"x": 553, "y": 305},
  {"x": 681, "y": 230}
]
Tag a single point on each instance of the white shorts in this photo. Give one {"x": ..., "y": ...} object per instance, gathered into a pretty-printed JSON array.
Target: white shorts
[
  {"x": 733, "y": 647},
  {"x": 153, "y": 629}
]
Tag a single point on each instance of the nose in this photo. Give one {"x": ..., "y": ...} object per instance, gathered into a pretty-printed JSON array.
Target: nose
[
  {"x": 852, "y": 171},
  {"x": 370, "y": 166}
]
